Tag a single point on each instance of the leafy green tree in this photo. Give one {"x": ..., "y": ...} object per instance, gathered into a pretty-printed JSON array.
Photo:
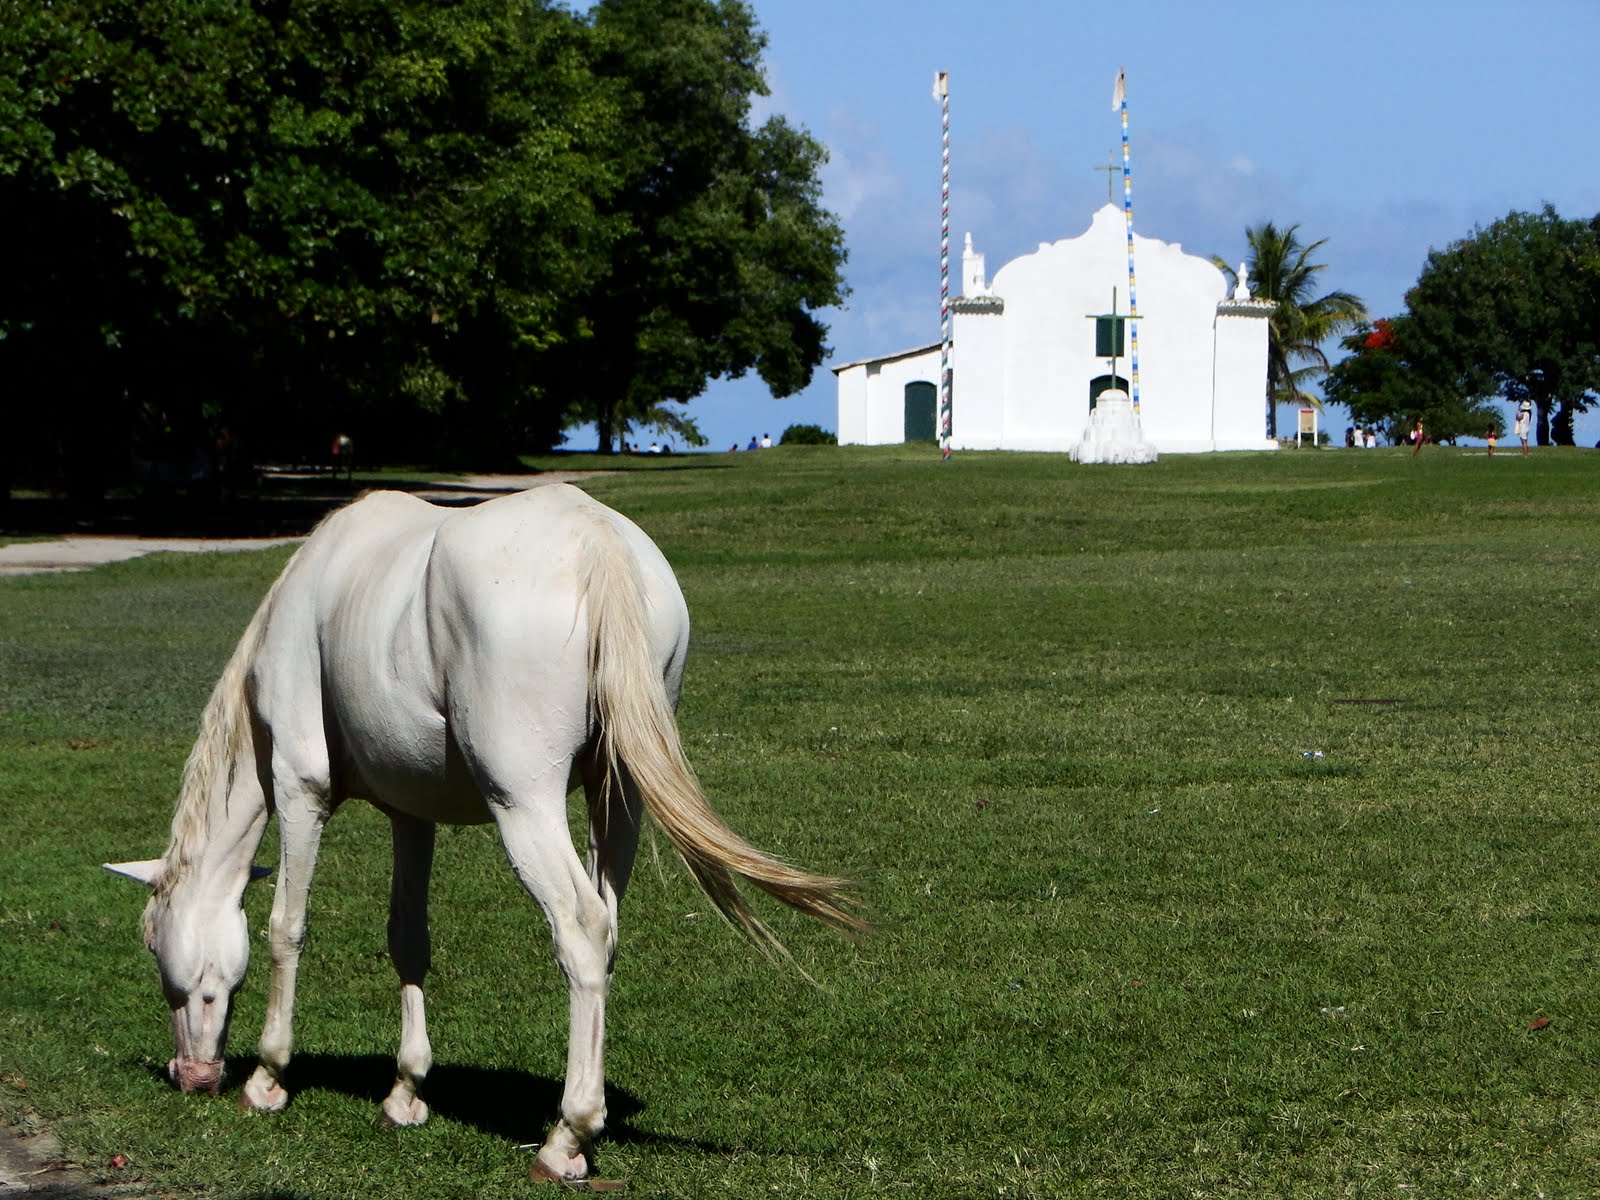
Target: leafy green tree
[
  {"x": 1514, "y": 310},
  {"x": 1281, "y": 270},
  {"x": 808, "y": 435},
  {"x": 442, "y": 226},
  {"x": 292, "y": 216},
  {"x": 1379, "y": 384},
  {"x": 727, "y": 252}
]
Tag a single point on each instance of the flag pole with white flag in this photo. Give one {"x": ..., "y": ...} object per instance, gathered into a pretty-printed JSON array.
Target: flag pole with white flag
[
  {"x": 1119, "y": 104},
  {"x": 941, "y": 93}
]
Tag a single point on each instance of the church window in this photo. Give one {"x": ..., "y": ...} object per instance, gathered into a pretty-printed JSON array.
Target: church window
[{"x": 1108, "y": 337}]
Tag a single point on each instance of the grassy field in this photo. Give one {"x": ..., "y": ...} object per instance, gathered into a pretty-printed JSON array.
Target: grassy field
[{"x": 1227, "y": 826}]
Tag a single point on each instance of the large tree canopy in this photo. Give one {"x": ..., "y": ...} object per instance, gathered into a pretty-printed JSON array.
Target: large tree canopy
[
  {"x": 727, "y": 252},
  {"x": 1514, "y": 310},
  {"x": 286, "y": 215},
  {"x": 415, "y": 221}
]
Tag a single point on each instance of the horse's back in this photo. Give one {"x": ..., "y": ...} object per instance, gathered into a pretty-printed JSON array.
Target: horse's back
[
  {"x": 509, "y": 623},
  {"x": 514, "y": 567},
  {"x": 417, "y": 639}
]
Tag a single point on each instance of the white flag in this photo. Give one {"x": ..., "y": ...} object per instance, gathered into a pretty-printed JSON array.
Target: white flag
[
  {"x": 1119, "y": 94},
  {"x": 941, "y": 84}
]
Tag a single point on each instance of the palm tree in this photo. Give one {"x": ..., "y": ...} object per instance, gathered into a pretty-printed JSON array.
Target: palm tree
[{"x": 1281, "y": 270}]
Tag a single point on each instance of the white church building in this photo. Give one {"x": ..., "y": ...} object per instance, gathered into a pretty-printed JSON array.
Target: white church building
[{"x": 1033, "y": 350}]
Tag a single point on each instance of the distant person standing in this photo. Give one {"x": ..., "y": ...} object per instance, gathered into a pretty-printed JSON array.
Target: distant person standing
[
  {"x": 766, "y": 441},
  {"x": 1489, "y": 437},
  {"x": 1372, "y": 438},
  {"x": 343, "y": 455},
  {"x": 1524, "y": 423},
  {"x": 1417, "y": 438}
]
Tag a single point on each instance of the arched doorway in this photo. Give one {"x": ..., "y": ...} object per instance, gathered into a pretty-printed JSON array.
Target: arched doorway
[
  {"x": 1104, "y": 383},
  {"x": 922, "y": 412}
]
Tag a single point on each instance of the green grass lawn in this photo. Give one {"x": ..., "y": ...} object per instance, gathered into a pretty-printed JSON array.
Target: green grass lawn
[{"x": 1053, "y": 720}]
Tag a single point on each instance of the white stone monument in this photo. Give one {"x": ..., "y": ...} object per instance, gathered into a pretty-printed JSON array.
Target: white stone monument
[{"x": 1113, "y": 434}]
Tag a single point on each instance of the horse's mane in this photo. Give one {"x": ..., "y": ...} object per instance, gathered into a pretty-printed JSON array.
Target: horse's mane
[{"x": 225, "y": 728}]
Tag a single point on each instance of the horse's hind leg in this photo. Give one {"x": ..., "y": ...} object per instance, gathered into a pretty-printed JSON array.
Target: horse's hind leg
[
  {"x": 409, "y": 950},
  {"x": 533, "y": 826},
  {"x": 614, "y": 816}
]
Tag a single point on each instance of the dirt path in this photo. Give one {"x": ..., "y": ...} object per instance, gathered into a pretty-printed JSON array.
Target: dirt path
[
  {"x": 84, "y": 553},
  {"x": 31, "y": 1165}
]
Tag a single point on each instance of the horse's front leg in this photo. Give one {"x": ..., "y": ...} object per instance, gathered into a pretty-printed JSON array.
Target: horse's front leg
[
  {"x": 409, "y": 950},
  {"x": 302, "y": 812}
]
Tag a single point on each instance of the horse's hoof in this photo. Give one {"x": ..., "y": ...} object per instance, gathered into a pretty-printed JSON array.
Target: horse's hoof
[
  {"x": 263, "y": 1095},
  {"x": 579, "y": 1185},
  {"x": 555, "y": 1167},
  {"x": 403, "y": 1113}
]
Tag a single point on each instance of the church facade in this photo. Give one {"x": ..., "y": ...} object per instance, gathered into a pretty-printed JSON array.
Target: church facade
[{"x": 1032, "y": 351}]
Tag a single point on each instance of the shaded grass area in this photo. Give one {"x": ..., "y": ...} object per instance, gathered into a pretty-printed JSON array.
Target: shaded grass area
[{"x": 1129, "y": 941}]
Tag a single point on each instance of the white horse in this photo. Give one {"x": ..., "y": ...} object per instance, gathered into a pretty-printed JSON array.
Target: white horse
[{"x": 449, "y": 665}]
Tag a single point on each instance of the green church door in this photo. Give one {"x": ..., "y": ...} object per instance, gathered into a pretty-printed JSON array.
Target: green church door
[{"x": 922, "y": 412}]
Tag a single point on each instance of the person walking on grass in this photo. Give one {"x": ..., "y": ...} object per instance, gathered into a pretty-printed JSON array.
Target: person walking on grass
[
  {"x": 1524, "y": 423},
  {"x": 1417, "y": 438},
  {"x": 1489, "y": 437}
]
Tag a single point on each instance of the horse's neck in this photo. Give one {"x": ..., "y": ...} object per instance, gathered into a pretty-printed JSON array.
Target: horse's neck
[{"x": 217, "y": 830}]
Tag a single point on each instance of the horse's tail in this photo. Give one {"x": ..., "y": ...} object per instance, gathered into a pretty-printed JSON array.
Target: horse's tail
[
  {"x": 225, "y": 731},
  {"x": 638, "y": 740}
]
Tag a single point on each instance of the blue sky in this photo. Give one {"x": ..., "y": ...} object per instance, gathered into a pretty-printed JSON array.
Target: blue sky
[{"x": 1387, "y": 128}]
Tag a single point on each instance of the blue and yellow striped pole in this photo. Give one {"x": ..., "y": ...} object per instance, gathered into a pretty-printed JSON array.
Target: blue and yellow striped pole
[{"x": 1119, "y": 103}]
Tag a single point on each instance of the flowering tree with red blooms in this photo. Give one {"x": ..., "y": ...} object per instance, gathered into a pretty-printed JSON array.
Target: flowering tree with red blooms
[
  {"x": 1380, "y": 385},
  {"x": 1510, "y": 313}
]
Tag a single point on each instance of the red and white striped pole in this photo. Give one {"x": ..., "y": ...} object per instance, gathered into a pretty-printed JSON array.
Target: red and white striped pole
[{"x": 941, "y": 93}]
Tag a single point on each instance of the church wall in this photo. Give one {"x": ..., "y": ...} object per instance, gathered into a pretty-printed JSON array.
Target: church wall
[
  {"x": 977, "y": 416},
  {"x": 852, "y": 385},
  {"x": 872, "y": 409},
  {"x": 1176, "y": 344},
  {"x": 1048, "y": 345},
  {"x": 1241, "y": 376},
  {"x": 1051, "y": 297}
]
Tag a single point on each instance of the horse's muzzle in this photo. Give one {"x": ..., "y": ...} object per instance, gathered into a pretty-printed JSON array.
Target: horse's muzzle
[{"x": 196, "y": 1075}]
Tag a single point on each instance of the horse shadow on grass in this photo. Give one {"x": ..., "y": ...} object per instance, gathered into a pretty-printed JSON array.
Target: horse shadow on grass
[{"x": 501, "y": 1102}]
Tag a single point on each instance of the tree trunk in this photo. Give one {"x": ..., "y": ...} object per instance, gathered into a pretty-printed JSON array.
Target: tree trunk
[
  {"x": 1561, "y": 432},
  {"x": 1272, "y": 412},
  {"x": 605, "y": 426},
  {"x": 1541, "y": 427}
]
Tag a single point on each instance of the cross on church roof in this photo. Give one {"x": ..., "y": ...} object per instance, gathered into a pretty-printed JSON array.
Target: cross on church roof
[{"x": 1110, "y": 169}]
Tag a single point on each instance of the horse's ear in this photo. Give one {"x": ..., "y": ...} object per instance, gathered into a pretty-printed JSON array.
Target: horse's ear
[
  {"x": 145, "y": 872},
  {"x": 259, "y": 873}
]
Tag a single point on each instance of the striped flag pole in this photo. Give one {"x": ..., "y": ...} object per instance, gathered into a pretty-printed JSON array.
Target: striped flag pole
[
  {"x": 1119, "y": 103},
  {"x": 941, "y": 93}
]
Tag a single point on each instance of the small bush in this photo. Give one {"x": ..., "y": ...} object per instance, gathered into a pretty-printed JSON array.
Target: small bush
[{"x": 807, "y": 435}]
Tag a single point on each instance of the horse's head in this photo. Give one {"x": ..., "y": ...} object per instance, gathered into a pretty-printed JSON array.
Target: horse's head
[{"x": 202, "y": 946}]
